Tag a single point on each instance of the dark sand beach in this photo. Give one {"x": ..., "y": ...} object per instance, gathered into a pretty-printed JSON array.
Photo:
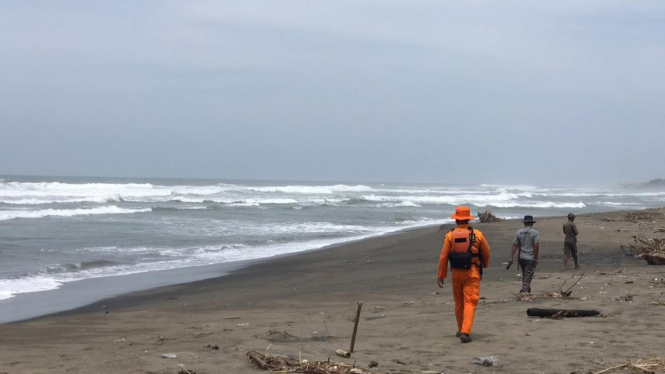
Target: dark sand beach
[{"x": 304, "y": 305}]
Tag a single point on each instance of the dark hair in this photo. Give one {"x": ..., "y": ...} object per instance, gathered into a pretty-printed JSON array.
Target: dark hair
[
  {"x": 571, "y": 216},
  {"x": 461, "y": 221}
]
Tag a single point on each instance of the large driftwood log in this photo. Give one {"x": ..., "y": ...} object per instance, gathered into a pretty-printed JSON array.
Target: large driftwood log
[{"x": 558, "y": 313}]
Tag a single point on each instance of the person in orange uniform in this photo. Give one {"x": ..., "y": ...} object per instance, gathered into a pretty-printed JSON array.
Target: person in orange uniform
[{"x": 468, "y": 252}]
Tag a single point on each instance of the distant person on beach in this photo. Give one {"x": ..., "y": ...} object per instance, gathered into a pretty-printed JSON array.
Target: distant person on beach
[
  {"x": 468, "y": 253},
  {"x": 570, "y": 242},
  {"x": 526, "y": 244}
]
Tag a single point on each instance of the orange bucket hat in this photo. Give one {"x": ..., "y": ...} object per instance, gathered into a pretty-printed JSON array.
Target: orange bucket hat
[{"x": 462, "y": 213}]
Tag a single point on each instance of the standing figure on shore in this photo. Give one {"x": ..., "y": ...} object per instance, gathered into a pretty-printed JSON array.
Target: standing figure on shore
[
  {"x": 468, "y": 253},
  {"x": 570, "y": 242},
  {"x": 527, "y": 244}
]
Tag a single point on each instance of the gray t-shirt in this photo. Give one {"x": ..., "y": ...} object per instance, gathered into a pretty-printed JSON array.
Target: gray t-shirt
[
  {"x": 525, "y": 239},
  {"x": 569, "y": 229}
]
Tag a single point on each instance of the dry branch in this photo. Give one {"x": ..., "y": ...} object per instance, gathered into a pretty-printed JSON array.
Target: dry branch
[
  {"x": 568, "y": 291},
  {"x": 638, "y": 366},
  {"x": 644, "y": 245}
]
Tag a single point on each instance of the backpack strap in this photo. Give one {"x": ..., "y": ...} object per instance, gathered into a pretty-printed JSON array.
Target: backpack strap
[{"x": 472, "y": 241}]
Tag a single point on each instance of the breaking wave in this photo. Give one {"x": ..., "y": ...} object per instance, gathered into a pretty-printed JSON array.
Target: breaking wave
[{"x": 112, "y": 209}]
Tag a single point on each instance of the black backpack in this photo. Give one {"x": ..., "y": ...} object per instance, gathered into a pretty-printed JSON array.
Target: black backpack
[{"x": 464, "y": 260}]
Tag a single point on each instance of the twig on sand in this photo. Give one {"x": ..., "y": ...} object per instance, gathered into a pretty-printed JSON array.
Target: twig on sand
[
  {"x": 324, "y": 325},
  {"x": 568, "y": 292},
  {"x": 184, "y": 371}
]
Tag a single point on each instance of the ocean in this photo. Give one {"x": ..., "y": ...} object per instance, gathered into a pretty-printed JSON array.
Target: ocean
[{"x": 59, "y": 230}]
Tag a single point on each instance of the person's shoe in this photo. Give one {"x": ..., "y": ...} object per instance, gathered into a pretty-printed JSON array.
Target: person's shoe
[
  {"x": 465, "y": 338},
  {"x": 577, "y": 266},
  {"x": 458, "y": 334}
]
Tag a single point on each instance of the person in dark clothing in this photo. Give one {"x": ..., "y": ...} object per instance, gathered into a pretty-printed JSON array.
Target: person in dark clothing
[{"x": 570, "y": 241}]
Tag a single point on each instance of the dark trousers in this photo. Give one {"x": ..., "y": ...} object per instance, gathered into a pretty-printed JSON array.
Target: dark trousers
[{"x": 528, "y": 271}]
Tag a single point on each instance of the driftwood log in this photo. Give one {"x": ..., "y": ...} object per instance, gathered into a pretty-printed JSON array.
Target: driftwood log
[
  {"x": 559, "y": 313},
  {"x": 655, "y": 258},
  {"x": 257, "y": 359}
]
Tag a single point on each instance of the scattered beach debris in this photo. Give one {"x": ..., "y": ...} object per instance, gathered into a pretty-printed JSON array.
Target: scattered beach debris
[
  {"x": 343, "y": 353},
  {"x": 373, "y": 364},
  {"x": 561, "y": 313},
  {"x": 658, "y": 303},
  {"x": 550, "y": 295},
  {"x": 545, "y": 295},
  {"x": 488, "y": 217},
  {"x": 213, "y": 347},
  {"x": 285, "y": 364},
  {"x": 398, "y": 361},
  {"x": 649, "y": 215},
  {"x": 274, "y": 334},
  {"x": 169, "y": 355},
  {"x": 486, "y": 361},
  {"x": 626, "y": 298},
  {"x": 640, "y": 366}
]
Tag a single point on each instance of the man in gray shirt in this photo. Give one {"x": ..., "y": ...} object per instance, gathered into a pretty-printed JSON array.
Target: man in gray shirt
[
  {"x": 527, "y": 240},
  {"x": 570, "y": 242}
]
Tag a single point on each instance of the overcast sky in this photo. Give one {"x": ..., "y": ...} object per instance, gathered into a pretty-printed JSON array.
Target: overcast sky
[{"x": 549, "y": 92}]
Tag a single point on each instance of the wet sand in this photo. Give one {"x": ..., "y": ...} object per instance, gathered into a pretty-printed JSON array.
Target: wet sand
[{"x": 304, "y": 305}]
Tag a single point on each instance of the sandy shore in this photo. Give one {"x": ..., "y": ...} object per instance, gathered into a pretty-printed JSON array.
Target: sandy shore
[{"x": 310, "y": 299}]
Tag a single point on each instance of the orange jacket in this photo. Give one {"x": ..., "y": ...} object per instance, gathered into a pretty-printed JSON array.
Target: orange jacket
[{"x": 481, "y": 243}]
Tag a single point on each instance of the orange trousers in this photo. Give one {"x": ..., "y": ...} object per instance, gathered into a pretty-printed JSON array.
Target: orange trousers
[{"x": 466, "y": 293}]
